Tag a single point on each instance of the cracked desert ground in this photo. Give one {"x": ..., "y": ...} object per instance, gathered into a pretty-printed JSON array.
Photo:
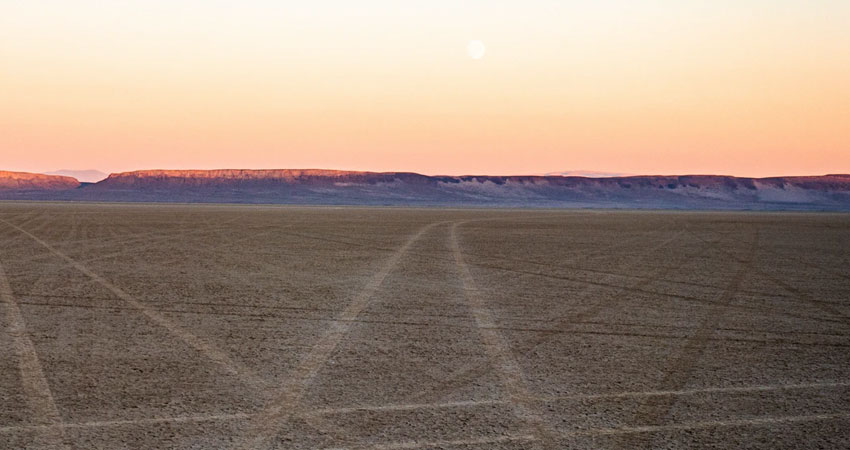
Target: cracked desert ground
[{"x": 254, "y": 327}]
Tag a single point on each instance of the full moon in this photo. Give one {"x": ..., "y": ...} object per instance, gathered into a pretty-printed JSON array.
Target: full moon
[{"x": 476, "y": 49}]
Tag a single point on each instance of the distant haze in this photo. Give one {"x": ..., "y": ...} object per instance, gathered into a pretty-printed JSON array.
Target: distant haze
[{"x": 86, "y": 176}]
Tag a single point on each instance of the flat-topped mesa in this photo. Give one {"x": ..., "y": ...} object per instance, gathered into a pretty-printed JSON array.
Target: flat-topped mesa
[
  {"x": 825, "y": 183},
  {"x": 187, "y": 179},
  {"x": 247, "y": 177},
  {"x": 339, "y": 187},
  {"x": 25, "y": 181}
]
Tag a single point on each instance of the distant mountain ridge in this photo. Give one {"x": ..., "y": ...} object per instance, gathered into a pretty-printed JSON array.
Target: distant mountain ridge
[
  {"x": 318, "y": 186},
  {"x": 86, "y": 176}
]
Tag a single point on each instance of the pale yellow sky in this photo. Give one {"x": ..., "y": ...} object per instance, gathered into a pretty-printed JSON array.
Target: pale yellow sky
[{"x": 750, "y": 88}]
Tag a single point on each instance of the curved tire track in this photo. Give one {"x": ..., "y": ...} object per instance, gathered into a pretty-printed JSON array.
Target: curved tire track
[{"x": 498, "y": 350}]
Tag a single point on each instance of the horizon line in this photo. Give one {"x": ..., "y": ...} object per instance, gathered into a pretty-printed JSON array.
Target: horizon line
[{"x": 565, "y": 173}]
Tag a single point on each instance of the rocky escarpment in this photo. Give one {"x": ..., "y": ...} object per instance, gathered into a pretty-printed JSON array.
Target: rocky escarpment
[
  {"x": 24, "y": 181},
  {"x": 161, "y": 179},
  {"x": 245, "y": 177},
  {"x": 315, "y": 186}
]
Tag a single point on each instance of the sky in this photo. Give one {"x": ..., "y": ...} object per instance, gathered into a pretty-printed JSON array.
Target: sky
[{"x": 745, "y": 87}]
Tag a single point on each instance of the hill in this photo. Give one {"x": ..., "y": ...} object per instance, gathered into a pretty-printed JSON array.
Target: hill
[{"x": 25, "y": 181}]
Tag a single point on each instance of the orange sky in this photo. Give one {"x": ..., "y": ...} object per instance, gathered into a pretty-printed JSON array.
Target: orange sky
[{"x": 751, "y": 88}]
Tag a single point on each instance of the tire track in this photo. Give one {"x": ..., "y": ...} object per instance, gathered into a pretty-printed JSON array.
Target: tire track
[
  {"x": 226, "y": 244},
  {"x": 560, "y": 322},
  {"x": 211, "y": 352},
  {"x": 44, "y": 276},
  {"x": 575, "y": 256},
  {"x": 128, "y": 238},
  {"x": 28, "y": 216},
  {"x": 477, "y": 371},
  {"x": 655, "y": 409},
  {"x": 705, "y": 425},
  {"x": 72, "y": 228},
  {"x": 430, "y": 406},
  {"x": 498, "y": 350},
  {"x": 33, "y": 382},
  {"x": 819, "y": 267},
  {"x": 827, "y": 307},
  {"x": 37, "y": 226},
  {"x": 543, "y": 331},
  {"x": 636, "y": 290},
  {"x": 184, "y": 302},
  {"x": 129, "y": 422},
  {"x": 638, "y": 278},
  {"x": 450, "y": 443},
  {"x": 147, "y": 241},
  {"x": 288, "y": 400}
]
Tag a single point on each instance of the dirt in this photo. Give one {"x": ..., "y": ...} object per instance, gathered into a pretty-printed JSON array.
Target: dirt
[{"x": 243, "y": 327}]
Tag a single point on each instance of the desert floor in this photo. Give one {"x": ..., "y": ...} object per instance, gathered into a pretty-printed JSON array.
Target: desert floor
[{"x": 243, "y": 327}]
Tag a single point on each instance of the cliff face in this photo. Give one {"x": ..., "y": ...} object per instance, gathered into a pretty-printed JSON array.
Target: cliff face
[
  {"x": 313, "y": 186},
  {"x": 234, "y": 177},
  {"x": 156, "y": 179},
  {"x": 23, "y": 181}
]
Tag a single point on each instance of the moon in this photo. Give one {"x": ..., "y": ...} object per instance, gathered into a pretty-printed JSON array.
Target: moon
[{"x": 476, "y": 49}]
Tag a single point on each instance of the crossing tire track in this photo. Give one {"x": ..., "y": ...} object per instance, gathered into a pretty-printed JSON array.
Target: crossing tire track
[
  {"x": 287, "y": 402},
  {"x": 34, "y": 384},
  {"x": 655, "y": 409}
]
